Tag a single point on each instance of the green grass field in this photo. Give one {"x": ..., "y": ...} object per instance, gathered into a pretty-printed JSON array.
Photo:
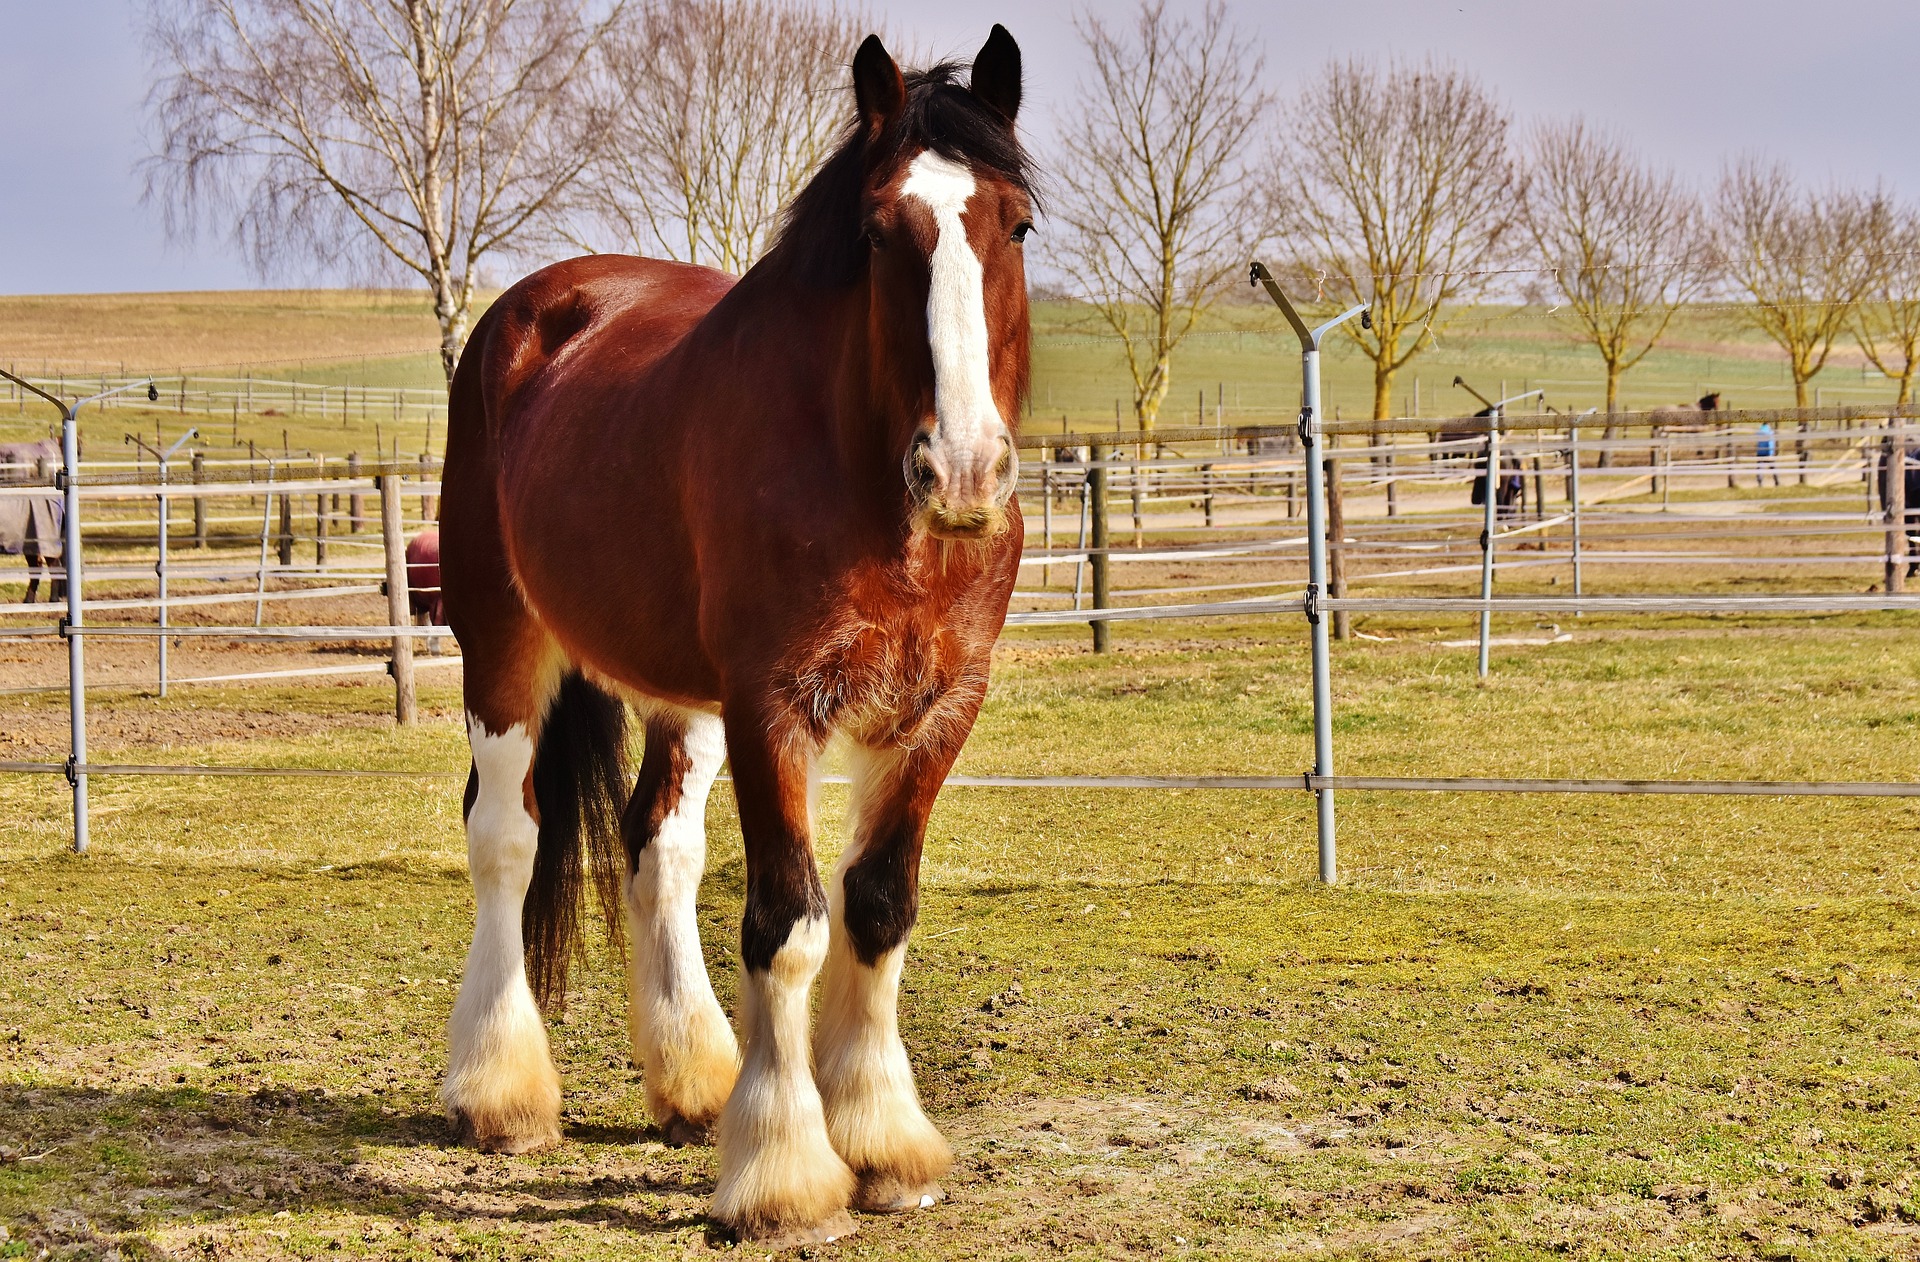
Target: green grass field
[
  {"x": 1242, "y": 359},
  {"x": 1523, "y": 1027}
]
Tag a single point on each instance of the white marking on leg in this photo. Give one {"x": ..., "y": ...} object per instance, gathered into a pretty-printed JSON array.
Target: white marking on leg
[
  {"x": 967, "y": 420},
  {"x": 866, "y": 1084},
  {"x": 777, "y": 1167},
  {"x": 681, "y": 1038},
  {"x": 500, "y": 1078}
]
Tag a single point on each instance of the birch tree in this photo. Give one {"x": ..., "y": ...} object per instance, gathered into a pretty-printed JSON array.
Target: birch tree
[
  {"x": 421, "y": 135},
  {"x": 1798, "y": 259},
  {"x": 734, "y": 103},
  {"x": 1160, "y": 216},
  {"x": 1397, "y": 189},
  {"x": 1620, "y": 242}
]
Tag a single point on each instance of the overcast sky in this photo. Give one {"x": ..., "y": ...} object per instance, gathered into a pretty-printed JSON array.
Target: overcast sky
[{"x": 1830, "y": 87}]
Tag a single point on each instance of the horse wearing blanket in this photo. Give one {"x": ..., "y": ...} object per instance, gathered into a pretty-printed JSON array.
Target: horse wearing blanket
[
  {"x": 761, "y": 513},
  {"x": 33, "y": 526}
]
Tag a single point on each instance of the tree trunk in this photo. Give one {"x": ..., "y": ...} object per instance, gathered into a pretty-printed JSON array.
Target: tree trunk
[
  {"x": 1382, "y": 393},
  {"x": 1146, "y": 405},
  {"x": 452, "y": 315},
  {"x": 1613, "y": 405}
]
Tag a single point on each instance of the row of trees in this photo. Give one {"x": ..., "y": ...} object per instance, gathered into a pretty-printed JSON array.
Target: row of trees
[
  {"x": 1407, "y": 186},
  {"x": 433, "y": 135}
]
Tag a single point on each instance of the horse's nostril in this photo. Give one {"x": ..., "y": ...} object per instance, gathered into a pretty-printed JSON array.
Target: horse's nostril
[{"x": 923, "y": 473}]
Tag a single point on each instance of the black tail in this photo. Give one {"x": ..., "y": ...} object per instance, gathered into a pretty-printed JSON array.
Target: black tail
[{"x": 581, "y": 780}]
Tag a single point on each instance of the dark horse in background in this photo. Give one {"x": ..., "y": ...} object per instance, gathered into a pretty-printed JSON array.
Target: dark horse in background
[
  {"x": 1510, "y": 487},
  {"x": 763, "y": 514},
  {"x": 33, "y": 527}
]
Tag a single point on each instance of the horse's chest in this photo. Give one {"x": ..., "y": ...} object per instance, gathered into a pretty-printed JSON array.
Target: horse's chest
[{"x": 885, "y": 676}]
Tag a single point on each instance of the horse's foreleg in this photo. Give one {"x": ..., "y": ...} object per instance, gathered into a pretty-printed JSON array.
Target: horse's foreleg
[
  {"x": 781, "y": 1182},
  {"x": 681, "y": 1038},
  {"x": 502, "y": 1091},
  {"x": 873, "y": 1110}
]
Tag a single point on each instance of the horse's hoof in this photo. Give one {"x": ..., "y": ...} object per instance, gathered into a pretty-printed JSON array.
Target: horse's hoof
[
  {"x": 884, "y": 1194},
  {"x": 781, "y": 1237},
  {"x": 497, "y": 1140},
  {"x": 680, "y": 1133}
]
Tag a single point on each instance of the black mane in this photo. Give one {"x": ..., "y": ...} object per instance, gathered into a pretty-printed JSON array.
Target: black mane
[{"x": 820, "y": 237}]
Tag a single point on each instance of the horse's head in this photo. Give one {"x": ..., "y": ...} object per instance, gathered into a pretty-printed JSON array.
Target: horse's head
[{"x": 945, "y": 202}]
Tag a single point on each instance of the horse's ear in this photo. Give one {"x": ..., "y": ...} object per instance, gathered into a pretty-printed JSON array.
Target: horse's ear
[
  {"x": 878, "y": 90},
  {"x": 996, "y": 73}
]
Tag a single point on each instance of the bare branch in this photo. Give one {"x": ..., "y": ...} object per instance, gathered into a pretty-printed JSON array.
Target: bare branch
[
  {"x": 1396, "y": 187},
  {"x": 419, "y": 134},
  {"x": 1622, "y": 243},
  {"x": 1800, "y": 258},
  {"x": 1886, "y": 322},
  {"x": 734, "y": 105},
  {"x": 1158, "y": 223}
]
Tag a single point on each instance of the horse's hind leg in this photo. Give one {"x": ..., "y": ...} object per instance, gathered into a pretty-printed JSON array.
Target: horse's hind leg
[
  {"x": 873, "y": 1111},
  {"x": 681, "y": 1038},
  {"x": 502, "y": 1091}
]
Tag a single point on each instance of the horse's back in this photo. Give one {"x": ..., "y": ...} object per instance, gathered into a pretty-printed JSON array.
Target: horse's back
[{"x": 616, "y": 314}]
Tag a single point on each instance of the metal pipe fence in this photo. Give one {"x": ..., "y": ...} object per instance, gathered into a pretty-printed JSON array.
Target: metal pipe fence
[{"x": 1211, "y": 484}]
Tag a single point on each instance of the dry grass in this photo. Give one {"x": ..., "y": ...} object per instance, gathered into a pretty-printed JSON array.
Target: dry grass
[
  {"x": 203, "y": 331},
  {"x": 1524, "y": 1027}
]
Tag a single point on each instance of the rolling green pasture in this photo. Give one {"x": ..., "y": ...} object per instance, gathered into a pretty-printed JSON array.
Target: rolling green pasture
[
  {"x": 1241, "y": 358},
  {"x": 1523, "y": 1027}
]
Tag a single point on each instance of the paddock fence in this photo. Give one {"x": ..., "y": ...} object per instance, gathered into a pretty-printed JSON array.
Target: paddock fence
[{"x": 1231, "y": 498}]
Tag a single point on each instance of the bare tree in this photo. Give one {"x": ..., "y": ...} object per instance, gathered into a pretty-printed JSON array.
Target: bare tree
[
  {"x": 1886, "y": 322},
  {"x": 1397, "y": 191},
  {"x": 1620, "y": 241},
  {"x": 426, "y": 135},
  {"x": 1798, "y": 257},
  {"x": 734, "y": 104},
  {"x": 1158, "y": 221}
]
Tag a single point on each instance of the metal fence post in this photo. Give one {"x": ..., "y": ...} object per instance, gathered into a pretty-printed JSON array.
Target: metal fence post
[
  {"x": 1896, "y": 500},
  {"x": 165, "y": 459},
  {"x": 1097, "y": 508},
  {"x": 285, "y": 538},
  {"x": 1573, "y": 493},
  {"x": 1310, "y": 434},
  {"x": 76, "y": 648},
  {"x": 1046, "y": 513},
  {"x": 160, "y": 575},
  {"x": 266, "y": 526},
  {"x": 1134, "y": 486},
  {"x": 199, "y": 502},
  {"x": 1316, "y": 585},
  {"x": 1489, "y": 522},
  {"x": 393, "y": 537},
  {"x": 1080, "y": 566}
]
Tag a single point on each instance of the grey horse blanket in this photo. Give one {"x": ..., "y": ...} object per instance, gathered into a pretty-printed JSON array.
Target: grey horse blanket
[{"x": 30, "y": 524}]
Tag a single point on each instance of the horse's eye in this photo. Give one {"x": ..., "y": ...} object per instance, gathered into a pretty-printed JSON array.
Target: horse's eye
[
  {"x": 871, "y": 235},
  {"x": 1021, "y": 230}
]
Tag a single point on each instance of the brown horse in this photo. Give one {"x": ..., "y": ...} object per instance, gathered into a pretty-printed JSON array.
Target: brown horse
[{"x": 763, "y": 514}]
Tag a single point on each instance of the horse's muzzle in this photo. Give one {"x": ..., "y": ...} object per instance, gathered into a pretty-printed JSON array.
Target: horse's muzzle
[{"x": 961, "y": 490}]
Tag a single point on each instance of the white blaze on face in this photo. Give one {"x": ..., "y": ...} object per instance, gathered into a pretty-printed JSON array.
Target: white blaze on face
[{"x": 966, "y": 416}]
